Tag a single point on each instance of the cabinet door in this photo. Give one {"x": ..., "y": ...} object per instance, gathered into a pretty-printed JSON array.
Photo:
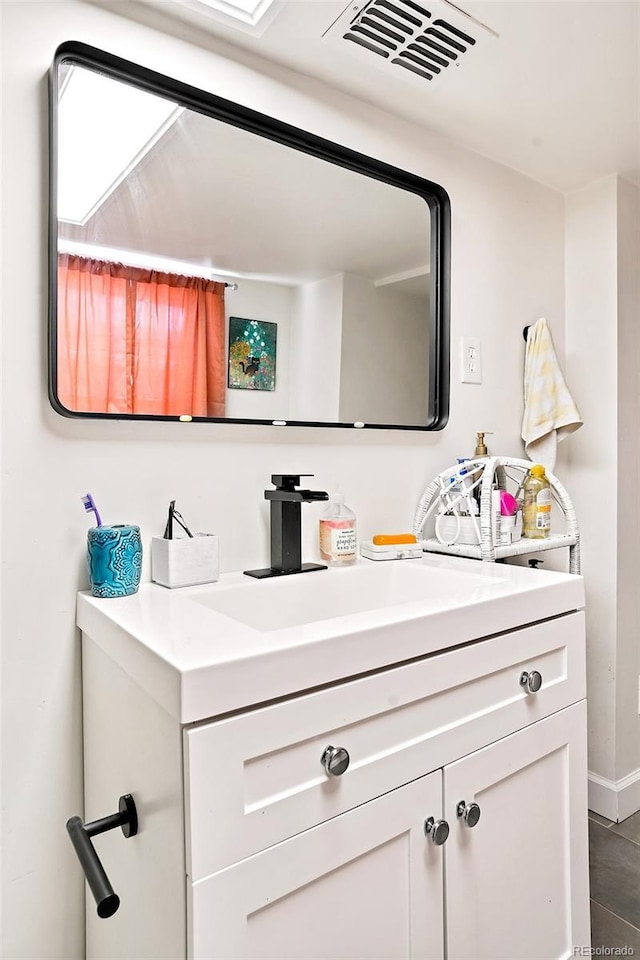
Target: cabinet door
[
  {"x": 517, "y": 882},
  {"x": 367, "y": 884}
]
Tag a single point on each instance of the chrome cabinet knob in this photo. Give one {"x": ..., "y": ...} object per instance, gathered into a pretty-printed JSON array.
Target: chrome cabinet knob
[
  {"x": 436, "y": 830},
  {"x": 335, "y": 761},
  {"x": 469, "y": 813},
  {"x": 531, "y": 681}
]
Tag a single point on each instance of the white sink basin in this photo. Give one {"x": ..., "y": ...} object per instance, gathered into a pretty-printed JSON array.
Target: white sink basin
[
  {"x": 291, "y": 601},
  {"x": 205, "y": 651}
]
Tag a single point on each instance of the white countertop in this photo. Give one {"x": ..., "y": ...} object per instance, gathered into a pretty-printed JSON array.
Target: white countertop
[{"x": 198, "y": 662}]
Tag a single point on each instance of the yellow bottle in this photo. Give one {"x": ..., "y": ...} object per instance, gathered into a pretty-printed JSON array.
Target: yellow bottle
[{"x": 536, "y": 519}]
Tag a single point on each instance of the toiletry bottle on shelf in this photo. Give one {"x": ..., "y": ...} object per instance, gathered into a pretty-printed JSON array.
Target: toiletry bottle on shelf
[
  {"x": 481, "y": 447},
  {"x": 338, "y": 542},
  {"x": 537, "y": 504},
  {"x": 480, "y": 451}
]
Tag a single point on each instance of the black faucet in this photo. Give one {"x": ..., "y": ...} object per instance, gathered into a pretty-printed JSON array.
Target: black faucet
[{"x": 286, "y": 526}]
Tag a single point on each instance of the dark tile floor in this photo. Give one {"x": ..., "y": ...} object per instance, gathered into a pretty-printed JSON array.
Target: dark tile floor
[{"x": 614, "y": 869}]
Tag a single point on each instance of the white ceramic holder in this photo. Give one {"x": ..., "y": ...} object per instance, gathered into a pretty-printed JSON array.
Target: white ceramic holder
[{"x": 186, "y": 561}]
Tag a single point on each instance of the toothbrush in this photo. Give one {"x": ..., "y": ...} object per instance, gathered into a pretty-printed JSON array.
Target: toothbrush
[{"x": 89, "y": 506}]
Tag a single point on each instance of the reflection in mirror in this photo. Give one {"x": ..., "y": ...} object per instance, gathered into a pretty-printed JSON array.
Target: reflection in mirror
[{"x": 201, "y": 269}]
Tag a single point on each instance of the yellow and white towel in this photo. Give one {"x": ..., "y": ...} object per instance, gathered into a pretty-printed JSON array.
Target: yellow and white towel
[{"x": 550, "y": 413}]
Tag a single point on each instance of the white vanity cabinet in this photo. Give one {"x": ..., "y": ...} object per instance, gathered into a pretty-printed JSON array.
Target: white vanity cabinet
[
  {"x": 255, "y": 893},
  {"x": 368, "y": 883},
  {"x": 249, "y": 848}
]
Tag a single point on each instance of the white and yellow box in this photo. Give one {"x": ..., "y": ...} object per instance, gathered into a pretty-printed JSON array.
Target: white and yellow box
[{"x": 185, "y": 561}]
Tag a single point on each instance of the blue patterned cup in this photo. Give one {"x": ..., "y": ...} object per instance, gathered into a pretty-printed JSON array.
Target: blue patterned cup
[{"x": 114, "y": 555}]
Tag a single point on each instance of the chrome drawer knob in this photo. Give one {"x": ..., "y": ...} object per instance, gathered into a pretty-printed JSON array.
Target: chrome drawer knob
[
  {"x": 469, "y": 813},
  {"x": 531, "y": 681},
  {"x": 436, "y": 830},
  {"x": 335, "y": 761}
]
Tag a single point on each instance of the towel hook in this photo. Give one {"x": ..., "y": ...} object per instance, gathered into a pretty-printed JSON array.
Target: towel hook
[
  {"x": 525, "y": 332},
  {"x": 80, "y": 834}
]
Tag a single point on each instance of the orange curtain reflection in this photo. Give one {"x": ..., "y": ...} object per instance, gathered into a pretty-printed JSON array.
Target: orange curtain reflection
[{"x": 139, "y": 341}]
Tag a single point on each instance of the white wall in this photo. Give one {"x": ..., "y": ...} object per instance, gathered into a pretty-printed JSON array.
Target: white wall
[
  {"x": 272, "y": 302},
  {"x": 628, "y": 674},
  {"x": 592, "y": 360},
  {"x": 381, "y": 381},
  {"x": 316, "y": 335},
  {"x": 603, "y": 364},
  {"x": 507, "y": 268}
]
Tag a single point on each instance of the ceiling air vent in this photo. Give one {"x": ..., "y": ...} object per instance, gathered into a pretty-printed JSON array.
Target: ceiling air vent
[{"x": 421, "y": 40}]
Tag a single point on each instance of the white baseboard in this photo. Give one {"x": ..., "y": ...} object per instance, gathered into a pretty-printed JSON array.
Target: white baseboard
[{"x": 614, "y": 799}]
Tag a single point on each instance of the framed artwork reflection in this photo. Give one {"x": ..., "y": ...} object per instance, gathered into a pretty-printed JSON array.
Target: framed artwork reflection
[{"x": 252, "y": 354}]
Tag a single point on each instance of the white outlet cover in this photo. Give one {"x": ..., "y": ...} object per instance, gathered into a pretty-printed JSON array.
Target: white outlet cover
[{"x": 470, "y": 360}]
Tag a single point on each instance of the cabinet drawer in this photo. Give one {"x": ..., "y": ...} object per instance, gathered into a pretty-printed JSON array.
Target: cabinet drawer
[{"x": 256, "y": 778}]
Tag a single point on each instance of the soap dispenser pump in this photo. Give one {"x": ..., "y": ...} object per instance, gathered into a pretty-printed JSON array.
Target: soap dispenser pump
[{"x": 481, "y": 447}]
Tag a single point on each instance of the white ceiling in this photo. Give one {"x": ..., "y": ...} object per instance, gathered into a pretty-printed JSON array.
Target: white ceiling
[
  {"x": 556, "y": 96},
  {"x": 214, "y": 195}
]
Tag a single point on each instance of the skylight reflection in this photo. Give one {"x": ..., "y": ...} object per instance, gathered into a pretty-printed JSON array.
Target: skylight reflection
[{"x": 105, "y": 128}]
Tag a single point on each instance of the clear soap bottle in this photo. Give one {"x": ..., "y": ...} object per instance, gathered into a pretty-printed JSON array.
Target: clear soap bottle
[
  {"x": 338, "y": 540},
  {"x": 536, "y": 514}
]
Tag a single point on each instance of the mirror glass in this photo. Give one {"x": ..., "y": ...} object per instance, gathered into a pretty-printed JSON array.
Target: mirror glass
[{"x": 208, "y": 262}]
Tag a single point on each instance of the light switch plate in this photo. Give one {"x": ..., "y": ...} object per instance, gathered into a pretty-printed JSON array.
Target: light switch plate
[{"x": 471, "y": 360}]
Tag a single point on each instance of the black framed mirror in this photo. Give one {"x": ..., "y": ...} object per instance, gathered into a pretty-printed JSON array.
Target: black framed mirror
[{"x": 208, "y": 262}]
